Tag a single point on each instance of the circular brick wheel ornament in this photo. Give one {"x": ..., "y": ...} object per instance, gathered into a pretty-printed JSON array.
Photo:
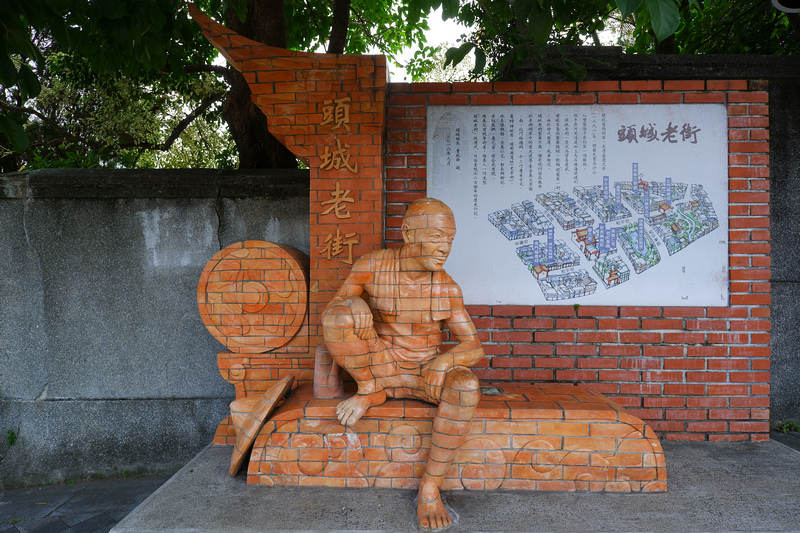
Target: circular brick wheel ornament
[{"x": 253, "y": 295}]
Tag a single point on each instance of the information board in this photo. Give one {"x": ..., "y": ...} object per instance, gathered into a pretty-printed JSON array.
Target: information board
[{"x": 585, "y": 204}]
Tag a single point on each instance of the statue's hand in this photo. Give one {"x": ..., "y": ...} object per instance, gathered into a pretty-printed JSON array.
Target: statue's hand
[
  {"x": 362, "y": 318},
  {"x": 435, "y": 373}
]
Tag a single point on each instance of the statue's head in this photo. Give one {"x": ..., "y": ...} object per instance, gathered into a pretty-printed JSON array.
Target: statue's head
[{"x": 428, "y": 231}]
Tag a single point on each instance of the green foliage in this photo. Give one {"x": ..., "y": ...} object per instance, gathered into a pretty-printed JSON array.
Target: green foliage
[
  {"x": 129, "y": 38},
  {"x": 736, "y": 26},
  {"x": 11, "y": 438},
  {"x": 83, "y": 119},
  {"x": 427, "y": 60},
  {"x": 718, "y": 27},
  {"x": 516, "y": 32},
  {"x": 786, "y": 427},
  {"x": 442, "y": 69},
  {"x": 13, "y": 130},
  {"x": 93, "y": 83},
  {"x": 509, "y": 34},
  {"x": 390, "y": 26},
  {"x": 204, "y": 144},
  {"x": 104, "y": 83},
  {"x": 664, "y": 17}
]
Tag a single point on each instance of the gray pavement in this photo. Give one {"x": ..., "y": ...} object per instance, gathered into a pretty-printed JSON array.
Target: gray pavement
[
  {"x": 712, "y": 487},
  {"x": 83, "y": 507}
]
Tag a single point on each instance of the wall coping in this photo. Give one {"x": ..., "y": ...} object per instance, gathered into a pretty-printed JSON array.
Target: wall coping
[
  {"x": 611, "y": 63},
  {"x": 150, "y": 183}
]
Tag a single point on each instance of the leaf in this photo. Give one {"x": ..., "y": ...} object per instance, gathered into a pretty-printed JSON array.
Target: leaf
[
  {"x": 575, "y": 71},
  {"x": 15, "y": 133},
  {"x": 60, "y": 6},
  {"x": 158, "y": 58},
  {"x": 664, "y": 17},
  {"x": 540, "y": 23},
  {"x": 60, "y": 32},
  {"x": 29, "y": 82},
  {"x": 8, "y": 73},
  {"x": 240, "y": 8},
  {"x": 18, "y": 42},
  {"x": 627, "y": 7},
  {"x": 522, "y": 8},
  {"x": 454, "y": 56},
  {"x": 449, "y": 9},
  {"x": 480, "y": 62},
  {"x": 113, "y": 9},
  {"x": 156, "y": 15}
]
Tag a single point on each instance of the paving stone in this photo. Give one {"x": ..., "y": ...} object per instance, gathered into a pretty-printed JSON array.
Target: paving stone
[
  {"x": 51, "y": 524},
  {"x": 109, "y": 495},
  {"x": 99, "y": 522},
  {"x": 32, "y": 502},
  {"x": 73, "y": 519}
]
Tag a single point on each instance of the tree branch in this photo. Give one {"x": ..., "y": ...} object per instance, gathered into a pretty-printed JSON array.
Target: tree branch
[
  {"x": 723, "y": 25},
  {"x": 312, "y": 14},
  {"x": 225, "y": 72},
  {"x": 341, "y": 19},
  {"x": 181, "y": 126},
  {"x": 44, "y": 118}
]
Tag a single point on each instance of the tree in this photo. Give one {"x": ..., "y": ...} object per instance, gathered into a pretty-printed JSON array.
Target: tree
[
  {"x": 510, "y": 33},
  {"x": 733, "y": 26},
  {"x": 153, "y": 53},
  {"x": 440, "y": 73},
  {"x": 82, "y": 118}
]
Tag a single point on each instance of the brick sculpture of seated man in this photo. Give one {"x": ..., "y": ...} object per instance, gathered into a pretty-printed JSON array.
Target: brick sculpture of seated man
[{"x": 384, "y": 326}]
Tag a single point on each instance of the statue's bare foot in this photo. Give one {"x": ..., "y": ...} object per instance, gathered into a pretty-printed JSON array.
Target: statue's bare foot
[
  {"x": 431, "y": 513},
  {"x": 352, "y": 409}
]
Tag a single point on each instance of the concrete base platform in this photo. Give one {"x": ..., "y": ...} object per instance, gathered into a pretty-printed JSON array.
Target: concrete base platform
[{"x": 713, "y": 487}]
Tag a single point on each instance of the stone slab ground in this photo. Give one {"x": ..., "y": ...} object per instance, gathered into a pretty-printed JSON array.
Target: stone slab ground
[{"x": 713, "y": 487}]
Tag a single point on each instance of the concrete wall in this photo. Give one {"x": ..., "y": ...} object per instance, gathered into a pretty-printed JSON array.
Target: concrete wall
[
  {"x": 104, "y": 361},
  {"x": 784, "y": 102}
]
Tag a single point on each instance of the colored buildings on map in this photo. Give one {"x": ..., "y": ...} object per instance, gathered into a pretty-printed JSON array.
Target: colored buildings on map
[{"x": 635, "y": 215}]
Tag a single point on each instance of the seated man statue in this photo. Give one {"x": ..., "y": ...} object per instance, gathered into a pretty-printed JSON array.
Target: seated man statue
[{"x": 384, "y": 326}]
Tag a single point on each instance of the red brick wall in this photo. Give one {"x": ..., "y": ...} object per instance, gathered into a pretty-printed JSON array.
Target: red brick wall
[{"x": 693, "y": 373}]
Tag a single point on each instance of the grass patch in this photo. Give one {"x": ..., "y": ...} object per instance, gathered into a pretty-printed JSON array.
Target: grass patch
[{"x": 786, "y": 427}]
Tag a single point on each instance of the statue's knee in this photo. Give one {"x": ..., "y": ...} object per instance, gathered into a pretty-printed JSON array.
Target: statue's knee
[
  {"x": 463, "y": 380},
  {"x": 337, "y": 317}
]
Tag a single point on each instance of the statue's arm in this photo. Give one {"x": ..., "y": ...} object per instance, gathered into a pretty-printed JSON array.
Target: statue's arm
[
  {"x": 348, "y": 301},
  {"x": 467, "y": 352}
]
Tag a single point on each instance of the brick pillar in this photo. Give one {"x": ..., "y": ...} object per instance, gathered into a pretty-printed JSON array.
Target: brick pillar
[{"x": 329, "y": 110}]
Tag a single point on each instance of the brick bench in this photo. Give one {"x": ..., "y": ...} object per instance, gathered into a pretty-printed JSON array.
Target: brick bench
[{"x": 550, "y": 437}]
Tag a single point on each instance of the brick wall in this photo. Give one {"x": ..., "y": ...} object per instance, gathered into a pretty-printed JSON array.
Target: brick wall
[{"x": 693, "y": 373}]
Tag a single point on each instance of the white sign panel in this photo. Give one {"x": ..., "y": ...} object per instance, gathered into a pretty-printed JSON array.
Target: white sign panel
[{"x": 591, "y": 205}]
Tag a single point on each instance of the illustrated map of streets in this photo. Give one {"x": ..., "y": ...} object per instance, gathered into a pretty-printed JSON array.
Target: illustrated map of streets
[{"x": 615, "y": 227}]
